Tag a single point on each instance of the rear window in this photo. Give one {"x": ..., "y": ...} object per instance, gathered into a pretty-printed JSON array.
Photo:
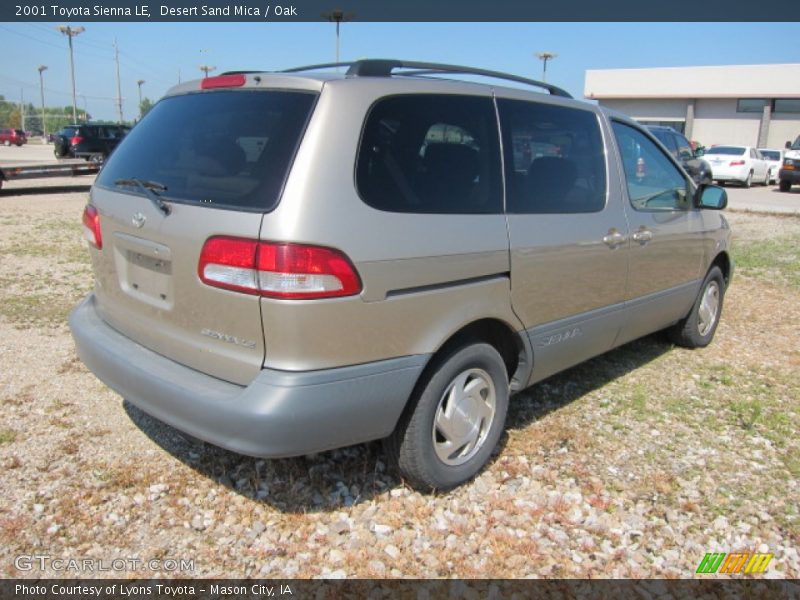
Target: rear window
[
  {"x": 224, "y": 149},
  {"x": 726, "y": 150},
  {"x": 771, "y": 154}
]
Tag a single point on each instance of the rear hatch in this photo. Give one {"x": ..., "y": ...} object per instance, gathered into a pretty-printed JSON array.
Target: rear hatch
[{"x": 216, "y": 160}]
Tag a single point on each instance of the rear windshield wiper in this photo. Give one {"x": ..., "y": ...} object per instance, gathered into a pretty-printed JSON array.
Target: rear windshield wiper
[{"x": 149, "y": 188}]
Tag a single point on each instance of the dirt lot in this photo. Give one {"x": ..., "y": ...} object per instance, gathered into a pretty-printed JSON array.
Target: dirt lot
[{"x": 634, "y": 464}]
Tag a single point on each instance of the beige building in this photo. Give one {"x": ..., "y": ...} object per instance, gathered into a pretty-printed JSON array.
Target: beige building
[{"x": 756, "y": 105}]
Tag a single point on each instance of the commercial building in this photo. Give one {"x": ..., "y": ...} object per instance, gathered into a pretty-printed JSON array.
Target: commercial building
[{"x": 755, "y": 105}]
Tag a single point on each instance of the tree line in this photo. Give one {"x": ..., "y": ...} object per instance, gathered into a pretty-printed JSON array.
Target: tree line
[{"x": 11, "y": 115}]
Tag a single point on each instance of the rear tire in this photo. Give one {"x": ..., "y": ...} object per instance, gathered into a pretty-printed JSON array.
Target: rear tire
[
  {"x": 698, "y": 328},
  {"x": 784, "y": 185},
  {"x": 749, "y": 181},
  {"x": 454, "y": 419}
]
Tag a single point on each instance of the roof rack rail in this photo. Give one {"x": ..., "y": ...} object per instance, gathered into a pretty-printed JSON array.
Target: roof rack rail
[{"x": 384, "y": 68}]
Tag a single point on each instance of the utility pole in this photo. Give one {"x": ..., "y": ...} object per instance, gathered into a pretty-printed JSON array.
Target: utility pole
[
  {"x": 71, "y": 33},
  {"x": 337, "y": 16},
  {"x": 206, "y": 69},
  {"x": 119, "y": 88},
  {"x": 139, "y": 83},
  {"x": 22, "y": 109},
  {"x": 41, "y": 69},
  {"x": 544, "y": 57}
]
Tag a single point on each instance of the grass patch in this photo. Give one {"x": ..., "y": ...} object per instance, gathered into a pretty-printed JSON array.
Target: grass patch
[
  {"x": 7, "y": 436},
  {"x": 747, "y": 413},
  {"x": 772, "y": 260},
  {"x": 37, "y": 310}
]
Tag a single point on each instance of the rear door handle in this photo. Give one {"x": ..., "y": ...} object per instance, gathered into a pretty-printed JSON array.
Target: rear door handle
[
  {"x": 642, "y": 236},
  {"x": 613, "y": 238}
]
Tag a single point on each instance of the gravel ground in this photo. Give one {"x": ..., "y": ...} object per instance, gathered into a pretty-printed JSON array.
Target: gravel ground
[{"x": 634, "y": 464}]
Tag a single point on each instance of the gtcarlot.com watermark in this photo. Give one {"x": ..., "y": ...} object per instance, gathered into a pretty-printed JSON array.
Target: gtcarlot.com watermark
[{"x": 45, "y": 562}]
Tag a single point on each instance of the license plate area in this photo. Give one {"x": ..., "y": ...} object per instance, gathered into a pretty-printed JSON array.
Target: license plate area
[{"x": 144, "y": 269}]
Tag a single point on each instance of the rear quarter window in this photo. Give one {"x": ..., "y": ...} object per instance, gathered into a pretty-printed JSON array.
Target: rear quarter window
[
  {"x": 431, "y": 153},
  {"x": 222, "y": 149}
]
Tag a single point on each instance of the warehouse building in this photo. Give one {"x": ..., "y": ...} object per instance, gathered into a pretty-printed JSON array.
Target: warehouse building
[{"x": 754, "y": 105}]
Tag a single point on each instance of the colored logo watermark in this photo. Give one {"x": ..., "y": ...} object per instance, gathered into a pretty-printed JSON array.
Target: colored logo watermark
[{"x": 734, "y": 562}]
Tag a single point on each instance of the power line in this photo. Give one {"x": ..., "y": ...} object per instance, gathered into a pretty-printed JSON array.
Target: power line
[
  {"x": 59, "y": 46},
  {"x": 27, "y": 84},
  {"x": 149, "y": 68},
  {"x": 30, "y": 37}
]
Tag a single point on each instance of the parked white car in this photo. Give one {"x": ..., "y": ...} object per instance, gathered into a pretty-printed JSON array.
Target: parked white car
[
  {"x": 774, "y": 158},
  {"x": 742, "y": 164}
]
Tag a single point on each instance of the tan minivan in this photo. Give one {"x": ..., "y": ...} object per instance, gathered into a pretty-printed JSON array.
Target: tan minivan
[{"x": 291, "y": 262}]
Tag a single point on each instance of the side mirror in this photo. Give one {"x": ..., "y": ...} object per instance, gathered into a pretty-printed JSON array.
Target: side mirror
[
  {"x": 711, "y": 196},
  {"x": 699, "y": 151},
  {"x": 787, "y": 145}
]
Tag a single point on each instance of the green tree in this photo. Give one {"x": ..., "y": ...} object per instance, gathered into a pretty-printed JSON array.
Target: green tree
[{"x": 145, "y": 106}]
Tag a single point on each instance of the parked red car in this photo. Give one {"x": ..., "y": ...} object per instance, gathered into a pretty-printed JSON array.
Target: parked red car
[{"x": 12, "y": 136}]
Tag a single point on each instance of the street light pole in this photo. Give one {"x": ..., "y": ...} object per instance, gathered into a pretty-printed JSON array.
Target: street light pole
[
  {"x": 71, "y": 33},
  {"x": 139, "y": 83},
  {"x": 41, "y": 69},
  {"x": 544, "y": 57},
  {"x": 206, "y": 69}
]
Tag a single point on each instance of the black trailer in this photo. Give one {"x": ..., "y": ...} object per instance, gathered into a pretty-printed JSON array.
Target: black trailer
[{"x": 62, "y": 169}]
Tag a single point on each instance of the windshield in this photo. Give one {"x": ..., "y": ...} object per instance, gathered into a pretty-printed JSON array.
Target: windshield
[
  {"x": 796, "y": 145},
  {"x": 222, "y": 149},
  {"x": 727, "y": 150}
]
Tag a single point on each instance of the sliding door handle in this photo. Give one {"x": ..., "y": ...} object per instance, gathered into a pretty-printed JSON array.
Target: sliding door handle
[{"x": 613, "y": 238}]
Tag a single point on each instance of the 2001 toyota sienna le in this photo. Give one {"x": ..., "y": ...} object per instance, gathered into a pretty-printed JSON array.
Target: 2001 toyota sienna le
[{"x": 292, "y": 262}]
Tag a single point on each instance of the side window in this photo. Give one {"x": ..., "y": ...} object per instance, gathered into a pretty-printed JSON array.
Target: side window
[
  {"x": 555, "y": 159},
  {"x": 431, "y": 154},
  {"x": 668, "y": 140},
  {"x": 684, "y": 148},
  {"x": 654, "y": 182}
]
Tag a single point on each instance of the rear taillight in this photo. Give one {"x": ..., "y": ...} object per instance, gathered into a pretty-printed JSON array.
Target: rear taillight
[
  {"x": 76, "y": 139},
  {"x": 277, "y": 270},
  {"x": 737, "y": 163},
  {"x": 91, "y": 226}
]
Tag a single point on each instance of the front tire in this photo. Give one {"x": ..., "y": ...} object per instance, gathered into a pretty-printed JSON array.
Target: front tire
[
  {"x": 454, "y": 420},
  {"x": 698, "y": 328}
]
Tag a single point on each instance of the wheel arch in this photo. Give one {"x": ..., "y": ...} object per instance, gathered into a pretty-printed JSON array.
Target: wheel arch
[
  {"x": 723, "y": 261},
  {"x": 513, "y": 347}
]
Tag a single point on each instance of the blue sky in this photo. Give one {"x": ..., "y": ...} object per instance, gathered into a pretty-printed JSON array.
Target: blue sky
[{"x": 157, "y": 52}]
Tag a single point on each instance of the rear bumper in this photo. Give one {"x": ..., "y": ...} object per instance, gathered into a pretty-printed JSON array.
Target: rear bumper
[
  {"x": 729, "y": 174},
  {"x": 281, "y": 413}
]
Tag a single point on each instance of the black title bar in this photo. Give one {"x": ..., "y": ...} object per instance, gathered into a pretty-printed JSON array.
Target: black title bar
[{"x": 383, "y": 10}]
